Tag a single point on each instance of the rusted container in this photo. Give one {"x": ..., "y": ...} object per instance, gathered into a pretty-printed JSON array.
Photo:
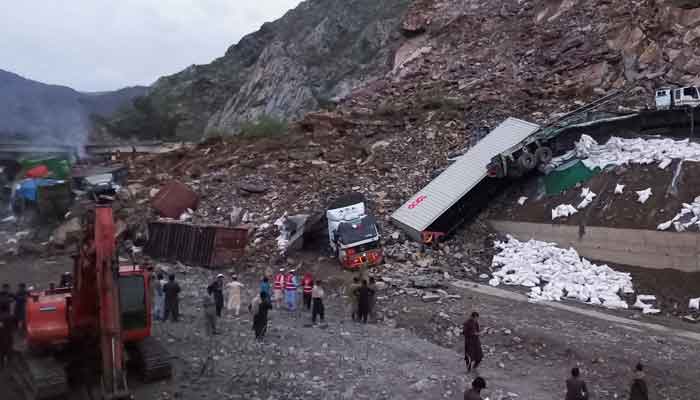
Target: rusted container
[
  {"x": 209, "y": 246},
  {"x": 173, "y": 199}
]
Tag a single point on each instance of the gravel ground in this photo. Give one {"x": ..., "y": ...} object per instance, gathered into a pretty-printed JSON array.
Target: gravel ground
[{"x": 414, "y": 352}]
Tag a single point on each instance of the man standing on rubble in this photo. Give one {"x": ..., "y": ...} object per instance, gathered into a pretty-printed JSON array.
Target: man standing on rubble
[
  {"x": 372, "y": 299},
  {"x": 159, "y": 296},
  {"x": 265, "y": 287},
  {"x": 278, "y": 288},
  {"x": 308, "y": 284},
  {"x": 233, "y": 292},
  {"x": 209, "y": 305},
  {"x": 364, "y": 293},
  {"x": 172, "y": 300},
  {"x": 7, "y": 325},
  {"x": 21, "y": 305},
  {"x": 317, "y": 294},
  {"x": 259, "y": 308},
  {"x": 352, "y": 297},
  {"x": 216, "y": 289},
  {"x": 639, "y": 390},
  {"x": 290, "y": 287},
  {"x": 473, "y": 354},
  {"x": 6, "y": 299},
  {"x": 576, "y": 387}
]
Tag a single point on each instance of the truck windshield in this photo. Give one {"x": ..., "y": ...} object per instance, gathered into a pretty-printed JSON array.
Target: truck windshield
[{"x": 357, "y": 230}]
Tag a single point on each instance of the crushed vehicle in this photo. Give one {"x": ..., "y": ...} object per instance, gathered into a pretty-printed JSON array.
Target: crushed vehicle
[{"x": 353, "y": 232}]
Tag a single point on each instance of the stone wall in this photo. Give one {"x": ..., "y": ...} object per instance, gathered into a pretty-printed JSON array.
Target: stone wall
[{"x": 642, "y": 248}]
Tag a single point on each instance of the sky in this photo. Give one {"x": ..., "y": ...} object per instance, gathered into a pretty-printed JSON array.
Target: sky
[{"x": 96, "y": 45}]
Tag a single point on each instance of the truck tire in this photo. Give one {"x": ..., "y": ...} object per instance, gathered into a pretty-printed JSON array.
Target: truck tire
[
  {"x": 527, "y": 161},
  {"x": 543, "y": 155}
]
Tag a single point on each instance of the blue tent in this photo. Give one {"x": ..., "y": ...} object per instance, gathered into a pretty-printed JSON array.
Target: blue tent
[{"x": 28, "y": 188}]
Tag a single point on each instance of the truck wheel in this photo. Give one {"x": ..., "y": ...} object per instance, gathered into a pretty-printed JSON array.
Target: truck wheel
[
  {"x": 543, "y": 155},
  {"x": 527, "y": 161}
]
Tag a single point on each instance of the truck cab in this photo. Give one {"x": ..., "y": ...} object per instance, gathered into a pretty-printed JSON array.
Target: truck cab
[
  {"x": 353, "y": 234},
  {"x": 667, "y": 98}
]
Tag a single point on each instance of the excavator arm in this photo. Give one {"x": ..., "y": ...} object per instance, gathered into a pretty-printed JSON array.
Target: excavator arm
[{"x": 107, "y": 273}]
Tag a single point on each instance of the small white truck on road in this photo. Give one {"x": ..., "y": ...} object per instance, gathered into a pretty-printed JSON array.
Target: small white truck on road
[{"x": 668, "y": 98}]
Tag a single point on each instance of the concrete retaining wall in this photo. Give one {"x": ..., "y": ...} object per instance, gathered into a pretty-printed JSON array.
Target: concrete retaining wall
[{"x": 635, "y": 247}]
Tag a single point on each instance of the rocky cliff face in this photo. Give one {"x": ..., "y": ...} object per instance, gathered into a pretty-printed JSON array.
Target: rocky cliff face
[
  {"x": 314, "y": 54},
  {"x": 402, "y": 60}
]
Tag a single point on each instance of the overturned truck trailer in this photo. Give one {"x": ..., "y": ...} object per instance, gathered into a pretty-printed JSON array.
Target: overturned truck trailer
[{"x": 463, "y": 189}]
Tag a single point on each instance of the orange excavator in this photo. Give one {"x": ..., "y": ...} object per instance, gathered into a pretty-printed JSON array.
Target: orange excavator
[{"x": 102, "y": 322}]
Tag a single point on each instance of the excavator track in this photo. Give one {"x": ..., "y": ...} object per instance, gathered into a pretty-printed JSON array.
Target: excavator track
[
  {"x": 40, "y": 378},
  {"x": 152, "y": 360}
]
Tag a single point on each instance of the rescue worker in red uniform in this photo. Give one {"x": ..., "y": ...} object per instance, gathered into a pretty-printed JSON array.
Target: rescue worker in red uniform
[
  {"x": 290, "y": 288},
  {"x": 308, "y": 284},
  {"x": 278, "y": 289}
]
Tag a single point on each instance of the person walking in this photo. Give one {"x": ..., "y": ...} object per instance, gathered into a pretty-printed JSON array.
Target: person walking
[
  {"x": 473, "y": 353},
  {"x": 265, "y": 287},
  {"x": 158, "y": 296},
  {"x": 7, "y": 326},
  {"x": 21, "y": 306},
  {"x": 209, "y": 306},
  {"x": 639, "y": 390},
  {"x": 233, "y": 293},
  {"x": 363, "y": 298},
  {"x": 318, "y": 310},
  {"x": 307, "y": 283},
  {"x": 474, "y": 393},
  {"x": 576, "y": 387},
  {"x": 260, "y": 307},
  {"x": 6, "y": 299},
  {"x": 290, "y": 287},
  {"x": 216, "y": 289},
  {"x": 278, "y": 288},
  {"x": 172, "y": 299},
  {"x": 372, "y": 299},
  {"x": 352, "y": 297}
]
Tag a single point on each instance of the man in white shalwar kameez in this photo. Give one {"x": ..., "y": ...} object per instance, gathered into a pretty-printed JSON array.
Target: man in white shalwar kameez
[{"x": 233, "y": 293}]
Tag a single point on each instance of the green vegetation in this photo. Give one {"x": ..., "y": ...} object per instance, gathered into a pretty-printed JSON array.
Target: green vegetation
[{"x": 264, "y": 126}]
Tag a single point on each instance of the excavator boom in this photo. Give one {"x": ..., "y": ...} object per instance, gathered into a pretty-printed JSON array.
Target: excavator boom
[{"x": 107, "y": 270}]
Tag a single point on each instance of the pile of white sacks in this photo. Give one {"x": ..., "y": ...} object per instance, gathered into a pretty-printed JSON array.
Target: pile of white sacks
[
  {"x": 618, "y": 151},
  {"x": 687, "y": 217},
  {"x": 553, "y": 273}
]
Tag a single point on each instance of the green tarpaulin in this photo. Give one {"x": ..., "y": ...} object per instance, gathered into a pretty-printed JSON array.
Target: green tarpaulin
[
  {"x": 567, "y": 176},
  {"x": 59, "y": 168}
]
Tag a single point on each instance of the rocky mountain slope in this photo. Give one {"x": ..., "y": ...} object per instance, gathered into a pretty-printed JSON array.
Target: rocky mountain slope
[
  {"x": 314, "y": 54},
  {"x": 460, "y": 55},
  {"x": 52, "y": 113}
]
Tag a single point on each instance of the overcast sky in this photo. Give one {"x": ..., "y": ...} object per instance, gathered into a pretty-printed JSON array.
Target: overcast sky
[{"x": 94, "y": 45}]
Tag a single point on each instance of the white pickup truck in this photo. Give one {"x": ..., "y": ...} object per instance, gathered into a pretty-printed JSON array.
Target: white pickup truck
[{"x": 667, "y": 98}]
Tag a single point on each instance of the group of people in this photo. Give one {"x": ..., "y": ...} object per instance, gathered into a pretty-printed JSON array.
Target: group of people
[
  {"x": 575, "y": 386},
  {"x": 284, "y": 291},
  {"x": 166, "y": 297}
]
